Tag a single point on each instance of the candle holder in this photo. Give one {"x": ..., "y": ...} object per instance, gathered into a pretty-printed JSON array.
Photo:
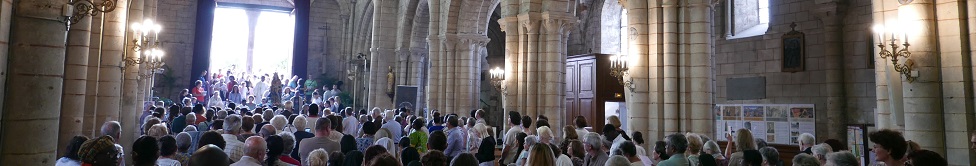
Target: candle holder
[
  {"x": 618, "y": 68},
  {"x": 497, "y": 76},
  {"x": 893, "y": 51}
]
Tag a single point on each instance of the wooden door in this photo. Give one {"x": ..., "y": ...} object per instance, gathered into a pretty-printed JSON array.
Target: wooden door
[
  {"x": 586, "y": 92},
  {"x": 572, "y": 104}
]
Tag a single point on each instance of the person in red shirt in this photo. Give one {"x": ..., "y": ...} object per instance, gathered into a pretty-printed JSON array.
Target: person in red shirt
[{"x": 199, "y": 92}]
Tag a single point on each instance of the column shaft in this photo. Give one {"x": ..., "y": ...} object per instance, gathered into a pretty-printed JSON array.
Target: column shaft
[
  {"x": 671, "y": 93},
  {"x": 37, "y": 71},
  {"x": 923, "y": 104},
  {"x": 639, "y": 70},
  {"x": 76, "y": 73},
  {"x": 131, "y": 108},
  {"x": 110, "y": 72}
]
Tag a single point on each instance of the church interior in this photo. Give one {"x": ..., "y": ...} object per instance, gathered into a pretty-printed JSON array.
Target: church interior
[{"x": 836, "y": 69}]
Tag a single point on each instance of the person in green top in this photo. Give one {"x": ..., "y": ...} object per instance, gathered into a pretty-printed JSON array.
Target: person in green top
[
  {"x": 310, "y": 86},
  {"x": 418, "y": 137}
]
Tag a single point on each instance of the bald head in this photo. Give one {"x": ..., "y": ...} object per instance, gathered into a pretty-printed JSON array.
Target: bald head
[
  {"x": 267, "y": 130},
  {"x": 112, "y": 128},
  {"x": 255, "y": 147}
]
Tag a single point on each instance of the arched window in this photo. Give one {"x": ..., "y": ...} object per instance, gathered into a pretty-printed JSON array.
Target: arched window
[{"x": 746, "y": 18}]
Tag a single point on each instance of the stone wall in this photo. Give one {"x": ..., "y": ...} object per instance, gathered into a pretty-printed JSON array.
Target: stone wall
[{"x": 761, "y": 56}]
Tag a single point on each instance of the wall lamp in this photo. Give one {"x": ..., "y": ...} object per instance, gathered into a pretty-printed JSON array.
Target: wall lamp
[{"x": 891, "y": 50}]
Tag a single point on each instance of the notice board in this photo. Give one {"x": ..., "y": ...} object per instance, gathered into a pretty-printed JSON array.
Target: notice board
[{"x": 775, "y": 123}]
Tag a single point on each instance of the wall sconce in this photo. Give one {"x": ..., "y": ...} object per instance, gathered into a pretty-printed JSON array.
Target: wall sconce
[
  {"x": 78, "y": 9},
  {"x": 896, "y": 51},
  {"x": 619, "y": 68},
  {"x": 497, "y": 76}
]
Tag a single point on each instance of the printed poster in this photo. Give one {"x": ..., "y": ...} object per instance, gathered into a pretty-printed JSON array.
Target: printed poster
[{"x": 776, "y": 123}]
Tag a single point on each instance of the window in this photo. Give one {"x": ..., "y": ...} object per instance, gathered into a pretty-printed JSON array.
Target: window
[
  {"x": 254, "y": 41},
  {"x": 747, "y": 18}
]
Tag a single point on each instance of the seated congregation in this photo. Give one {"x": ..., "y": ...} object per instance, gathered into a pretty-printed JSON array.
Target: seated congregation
[{"x": 320, "y": 137}]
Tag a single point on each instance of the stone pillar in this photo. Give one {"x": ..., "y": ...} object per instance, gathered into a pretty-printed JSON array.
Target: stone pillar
[
  {"x": 6, "y": 8},
  {"x": 955, "y": 59},
  {"x": 109, "y": 92},
  {"x": 511, "y": 28},
  {"x": 923, "y": 103},
  {"x": 639, "y": 72},
  {"x": 75, "y": 75},
  {"x": 700, "y": 66},
  {"x": 131, "y": 108},
  {"x": 434, "y": 73},
  {"x": 832, "y": 14},
  {"x": 671, "y": 64},
  {"x": 533, "y": 69},
  {"x": 37, "y": 71},
  {"x": 467, "y": 78},
  {"x": 91, "y": 82},
  {"x": 382, "y": 53},
  {"x": 655, "y": 52},
  {"x": 449, "y": 43},
  {"x": 883, "y": 109}
]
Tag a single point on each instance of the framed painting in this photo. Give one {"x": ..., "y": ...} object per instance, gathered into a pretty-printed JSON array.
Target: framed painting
[{"x": 794, "y": 50}]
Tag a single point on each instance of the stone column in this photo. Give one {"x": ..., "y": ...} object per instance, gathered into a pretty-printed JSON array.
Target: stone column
[
  {"x": 449, "y": 43},
  {"x": 382, "y": 54},
  {"x": 110, "y": 74},
  {"x": 955, "y": 59},
  {"x": 532, "y": 69},
  {"x": 638, "y": 34},
  {"x": 468, "y": 71},
  {"x": 75, "y": 75},
  {"x": 655, "y": 72},
  {"x": 6, "y": 8},
  {"x": 671, "y": 59},
  {"x": 832, "y": 14},
  {"x": 883, "y": 109},
  {"x": 434, "y": 73},
  {"x": 511, "y": 28},
  {"x": 91, "y": 82},
  {"x": 131, "y": 108},
  {"x": 37, "y": 71},
  {"x": 923, "y": 104},
  {"x": 700, "y": 74}
]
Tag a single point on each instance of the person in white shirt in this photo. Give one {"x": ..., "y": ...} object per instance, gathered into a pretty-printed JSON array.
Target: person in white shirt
[
  {"x": 510, "y": 149},
  {"x": 350, "y": 123},
  {"x": 259, "y": 89},
  {"x": 396, "y": 130},
  {"x": 215, "y": 100},
  {"x": 233, "y": 147},
  {"x": 255, "y": 150}
]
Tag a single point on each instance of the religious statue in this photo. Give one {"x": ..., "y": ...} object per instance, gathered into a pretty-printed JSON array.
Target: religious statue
[
  {"x": 274, "y": 93},
  {"x": 390, "y": 80}
]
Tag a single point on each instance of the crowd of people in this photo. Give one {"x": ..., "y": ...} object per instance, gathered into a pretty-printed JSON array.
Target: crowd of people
[{"x": 323, "y": 134}]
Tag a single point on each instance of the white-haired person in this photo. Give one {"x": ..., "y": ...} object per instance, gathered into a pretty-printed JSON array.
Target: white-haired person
[
  {"x": 820, "y": 151},
  {"x": 234, "y": 147},
  {"x": 712, "y": 148},
  {"x": 694, "y": 147},
  {"x": 279, "y": 122},
  {"x": 806, "y": 141},
  {"x": 301, "y": 134},
  {"x": 841, "y": 158},
  {"x": 545, "y": 135},
  {"x": 530, "y": 141},
  {"x": 158, "y": 131},
  {"x": 394, "y": 127},
  {"x": 288, "y": 140},
  {"x": 318, "y": 157}
]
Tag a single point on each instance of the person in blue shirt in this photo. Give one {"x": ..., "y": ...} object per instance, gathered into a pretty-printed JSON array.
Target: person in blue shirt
[{"x": 455, "y": 139}]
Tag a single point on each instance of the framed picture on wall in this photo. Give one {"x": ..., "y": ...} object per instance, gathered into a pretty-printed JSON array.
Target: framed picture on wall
[{"x": 794, "y": 50}]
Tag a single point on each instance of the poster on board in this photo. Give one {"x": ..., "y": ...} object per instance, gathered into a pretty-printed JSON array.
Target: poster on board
[{"x": 776, "y": 123}]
